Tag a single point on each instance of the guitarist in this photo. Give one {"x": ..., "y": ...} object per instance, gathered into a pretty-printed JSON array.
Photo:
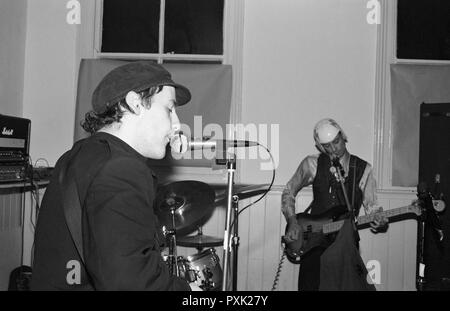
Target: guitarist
[{"x": 318, "y": 171}]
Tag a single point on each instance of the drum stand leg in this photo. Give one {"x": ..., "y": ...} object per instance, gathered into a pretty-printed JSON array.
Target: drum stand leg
[{"x": 173, "y": 267}]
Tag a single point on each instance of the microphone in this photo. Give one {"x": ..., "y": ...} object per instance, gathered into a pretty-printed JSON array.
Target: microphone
[
  {"x": 180, "y": 143},
  {"x": 336, "y": 165}
]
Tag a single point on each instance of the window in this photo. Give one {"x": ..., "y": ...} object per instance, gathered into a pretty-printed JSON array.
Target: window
[
  {"x": 423, "y": 29},
  {"x": 163, "y": 29},
  {"x": 168, "y": 31},
  {"x": 412, "y": 67}
]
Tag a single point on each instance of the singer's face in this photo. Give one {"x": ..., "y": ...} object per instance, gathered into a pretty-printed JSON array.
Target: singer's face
[
  {"x": 335, "y": 148},
  {"x": 159, "y": 123}
]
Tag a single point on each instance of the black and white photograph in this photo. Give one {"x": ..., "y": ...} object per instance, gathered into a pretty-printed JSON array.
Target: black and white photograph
[{"x": 225, "y": 150}]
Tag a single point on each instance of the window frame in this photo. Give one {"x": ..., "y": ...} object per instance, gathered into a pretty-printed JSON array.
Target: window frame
[
  {"x": 160, "y": 57},
  {"x": 385, "y": 56}
]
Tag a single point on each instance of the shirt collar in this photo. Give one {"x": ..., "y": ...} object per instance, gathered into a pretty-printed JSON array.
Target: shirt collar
[{"x": 121, "y": 144}]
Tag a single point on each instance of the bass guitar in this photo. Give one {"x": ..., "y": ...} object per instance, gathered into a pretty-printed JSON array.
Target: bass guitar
[{"x": 315, "y": 228}]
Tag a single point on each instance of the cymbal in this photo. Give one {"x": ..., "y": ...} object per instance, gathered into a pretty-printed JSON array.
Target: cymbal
[
  {"x": 243, "y": 191},
  {"x": 199, "y": 241},
  {"x": 248, "y": 191},
  {"x": 190, "y": 201}
]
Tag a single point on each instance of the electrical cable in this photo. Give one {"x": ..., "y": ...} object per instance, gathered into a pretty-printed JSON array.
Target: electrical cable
[
  {"x": 43, "y": 159},
  {"x": 266, "y": 192},
  {"x": 278, "y": 273}
]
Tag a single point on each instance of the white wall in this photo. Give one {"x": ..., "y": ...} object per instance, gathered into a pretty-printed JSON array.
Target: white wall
[
  {"x": 13, "y": 21},
  {"x": 303, "y": 61},
  {"x": 50, "y": 79}
]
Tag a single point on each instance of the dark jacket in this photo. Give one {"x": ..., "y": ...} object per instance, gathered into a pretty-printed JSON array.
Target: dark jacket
[{"x": 121, "y": 233}]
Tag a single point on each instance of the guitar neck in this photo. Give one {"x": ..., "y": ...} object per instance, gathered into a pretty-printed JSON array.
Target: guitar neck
[{"x": 362, "y": 220}]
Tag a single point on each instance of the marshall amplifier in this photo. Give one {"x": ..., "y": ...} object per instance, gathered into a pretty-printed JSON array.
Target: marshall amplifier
[{"x": 14, "y": 148}]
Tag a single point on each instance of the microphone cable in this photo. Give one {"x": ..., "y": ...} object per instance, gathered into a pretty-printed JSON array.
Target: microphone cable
[
  {"x": 265, "y": 193},
  {"x": 278, "y": 273}
]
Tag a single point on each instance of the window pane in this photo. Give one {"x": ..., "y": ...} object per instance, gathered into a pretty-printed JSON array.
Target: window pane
[
  {"x": 130, "y": 26},
  {"x": 423, "y": 29},
  {"x": 194, "y": 27},
  {"x": 173, "y": 61}
]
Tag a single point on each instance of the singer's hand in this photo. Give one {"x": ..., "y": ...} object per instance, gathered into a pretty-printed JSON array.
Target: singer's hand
[{"x": 380, "y": 222}]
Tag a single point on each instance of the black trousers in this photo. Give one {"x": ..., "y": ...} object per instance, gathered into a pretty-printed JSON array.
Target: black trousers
[{"x": 309, "y": 274}]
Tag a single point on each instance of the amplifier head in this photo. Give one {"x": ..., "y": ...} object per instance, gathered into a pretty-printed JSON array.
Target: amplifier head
[{"x": 14, "y": 138}]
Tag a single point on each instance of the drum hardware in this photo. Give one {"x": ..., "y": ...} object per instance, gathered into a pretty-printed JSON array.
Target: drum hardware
[
  {"x": 202, "y": 268},
  {"x": 207, "y": 270},
  {"x": 181, "y": 205},
  {"x": 193, "y": 201},
  {"x": 200, "y": 240},
  {"x": 171, "y": 236},
  {"x": 240, "y": 192},
  {"x": 182, "y": 268}
]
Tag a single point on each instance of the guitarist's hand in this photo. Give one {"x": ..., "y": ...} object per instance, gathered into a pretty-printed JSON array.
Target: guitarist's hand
[
  {"x": 293, "y": 229},
  {"x": 380, "y": 222}
]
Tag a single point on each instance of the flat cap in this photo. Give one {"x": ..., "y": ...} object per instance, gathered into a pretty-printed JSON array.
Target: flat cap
[{"x": 136, "y": 76}]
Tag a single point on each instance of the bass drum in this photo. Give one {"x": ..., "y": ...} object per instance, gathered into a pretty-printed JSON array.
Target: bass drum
[{"x": 207, "y": 270}]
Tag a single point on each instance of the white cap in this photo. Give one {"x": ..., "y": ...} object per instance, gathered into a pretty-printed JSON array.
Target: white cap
[{"x": 325, "y": 131}]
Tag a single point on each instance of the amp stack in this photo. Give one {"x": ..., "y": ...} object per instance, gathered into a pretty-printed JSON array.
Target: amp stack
[{"x": 14, "y": 148}]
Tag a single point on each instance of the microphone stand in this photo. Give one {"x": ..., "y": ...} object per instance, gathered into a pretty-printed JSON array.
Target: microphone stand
[
  {"x": 420, "y": 262},
  {"x": 340, "y": 178},
  {"x": 235, "y": 240},
  {"x": 231, "y": 168},
  {"x": 427, "y": 218}
]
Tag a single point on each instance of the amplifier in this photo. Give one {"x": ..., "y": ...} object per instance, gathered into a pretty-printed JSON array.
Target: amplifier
[
  {"x": 14, "y": 139},
  {"x": 14, "y": 172}
]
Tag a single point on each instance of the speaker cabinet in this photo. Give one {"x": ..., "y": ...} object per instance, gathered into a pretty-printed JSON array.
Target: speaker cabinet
[{"x": 434, "y": 170}]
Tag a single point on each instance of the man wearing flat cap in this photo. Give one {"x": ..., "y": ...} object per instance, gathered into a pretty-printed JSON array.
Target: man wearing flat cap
[{"x": 96, "y": 228}]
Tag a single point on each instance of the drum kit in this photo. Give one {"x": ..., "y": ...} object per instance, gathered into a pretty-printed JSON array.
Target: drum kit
[{"x": 184, "y": 205}]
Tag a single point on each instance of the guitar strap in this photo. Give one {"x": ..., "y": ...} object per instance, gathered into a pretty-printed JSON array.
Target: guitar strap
[
  {"x": 72, "y": 208},
  {"x": 357, "y": 238},
  {"x": 354, "y": 182},
  {"x": 73, "y": 214}
]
